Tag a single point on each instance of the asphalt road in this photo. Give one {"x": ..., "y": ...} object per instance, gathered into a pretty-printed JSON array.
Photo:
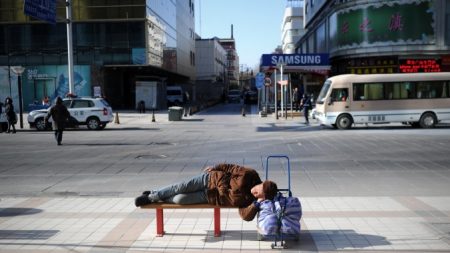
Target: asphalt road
[{"x": 126, "y": 158}]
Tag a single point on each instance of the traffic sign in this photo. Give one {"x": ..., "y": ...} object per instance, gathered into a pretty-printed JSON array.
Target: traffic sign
[
  {"x": 43, "y": 9},
  {"x": 267, "y": 81},
  {"x": 259, "y": 80}
]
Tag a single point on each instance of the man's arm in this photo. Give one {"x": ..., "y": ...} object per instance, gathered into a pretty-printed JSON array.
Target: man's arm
[
  {"x": 49, "y": 114},
  {"x": 248, "y": 213}
]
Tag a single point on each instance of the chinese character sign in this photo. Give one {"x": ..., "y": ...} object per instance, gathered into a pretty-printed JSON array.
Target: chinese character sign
[{"x": 392, "y": 24}]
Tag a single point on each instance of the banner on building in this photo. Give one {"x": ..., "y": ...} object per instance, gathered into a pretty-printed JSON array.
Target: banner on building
[
  {"x": 391, "y": 22},
  {"x": 318, "y": 63}
]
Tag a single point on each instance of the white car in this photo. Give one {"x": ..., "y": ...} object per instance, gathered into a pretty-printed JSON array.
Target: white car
[
  {"x": 3, "y": 122},
  {"x": 95, "y": 113}
]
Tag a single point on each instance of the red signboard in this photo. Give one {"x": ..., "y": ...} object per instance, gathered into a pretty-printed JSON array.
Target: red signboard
[{"x": 421, "y": 65}]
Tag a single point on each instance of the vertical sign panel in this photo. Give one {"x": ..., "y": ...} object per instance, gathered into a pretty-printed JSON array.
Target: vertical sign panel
[{"x": 44, "y": 10}]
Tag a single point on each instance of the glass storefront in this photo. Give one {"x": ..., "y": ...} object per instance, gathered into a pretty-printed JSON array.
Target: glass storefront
[{"x": 99, "y": 43}]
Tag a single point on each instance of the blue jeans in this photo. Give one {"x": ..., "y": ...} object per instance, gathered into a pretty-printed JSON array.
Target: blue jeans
[{"x": 192, "y": 191}]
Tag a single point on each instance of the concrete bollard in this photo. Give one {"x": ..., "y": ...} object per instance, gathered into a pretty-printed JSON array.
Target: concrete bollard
[{"x": 116, "y": 120}]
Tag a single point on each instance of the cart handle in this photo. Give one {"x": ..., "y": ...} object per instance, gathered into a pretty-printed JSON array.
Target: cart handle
[{"x": 289, "y": 170}]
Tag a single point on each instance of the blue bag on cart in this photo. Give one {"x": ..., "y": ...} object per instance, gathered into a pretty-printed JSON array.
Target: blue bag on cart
[
  {"x": 268, "y": 223},
  {"x": 280, "y": 217}
]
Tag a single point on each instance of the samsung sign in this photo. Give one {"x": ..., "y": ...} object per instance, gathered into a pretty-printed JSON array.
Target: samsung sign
[{"x": 272, "y": 60}]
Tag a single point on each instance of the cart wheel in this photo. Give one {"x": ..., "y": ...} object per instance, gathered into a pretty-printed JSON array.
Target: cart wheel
[{"x": 259, "y": 237}]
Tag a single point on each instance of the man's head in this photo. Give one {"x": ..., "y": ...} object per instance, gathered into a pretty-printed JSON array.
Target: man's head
[
  {"x": 59, "y": 100},
  {"x": 265, "y": 190}
]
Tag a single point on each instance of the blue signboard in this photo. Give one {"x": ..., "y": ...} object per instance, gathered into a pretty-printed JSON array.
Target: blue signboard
[
  {"x": 41, "y": 9},
  {"x": 272, "y": 60},
  {"x": 259, "y": 78}
]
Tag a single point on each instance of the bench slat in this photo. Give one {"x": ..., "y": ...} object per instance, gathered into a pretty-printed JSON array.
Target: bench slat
[{"x": 178, "y": 206}]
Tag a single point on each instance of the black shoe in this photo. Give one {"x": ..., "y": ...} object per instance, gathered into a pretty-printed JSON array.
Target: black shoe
[
  {"x": 142, "y": 200},
  {"x": 59, "y": 144}
]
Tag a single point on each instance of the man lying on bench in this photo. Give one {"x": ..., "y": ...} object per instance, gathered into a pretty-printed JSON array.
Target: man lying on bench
[{"x": 225, "y": 185}]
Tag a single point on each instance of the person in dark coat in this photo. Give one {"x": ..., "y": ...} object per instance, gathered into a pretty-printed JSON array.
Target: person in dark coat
[
  {"x": 221, "y": 185},
  {"x": 296, "y": 99},
  {"x": 1, "y": 111},
  {"x": 60, "y": 116},
  {"x": 10, "y": 115},
  {"x": 187, "y": 104},
  {"x": 306, "y": 105}
]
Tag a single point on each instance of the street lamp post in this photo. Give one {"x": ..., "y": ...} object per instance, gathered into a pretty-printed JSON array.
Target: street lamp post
[{"x": 18, "y": 70}]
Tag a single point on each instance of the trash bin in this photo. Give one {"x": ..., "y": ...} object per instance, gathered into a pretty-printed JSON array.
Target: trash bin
[{"x": 175, "y": 113}]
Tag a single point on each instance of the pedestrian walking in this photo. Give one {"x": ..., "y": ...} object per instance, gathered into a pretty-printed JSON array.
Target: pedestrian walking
[
  {"x": 306, "y": 105},
  {"x": 141, "y": 106},
  {"x": 11, "y": 116},
  {"x": 1, "y": 111},
  {"x": 187, "y": 104},
  {"x": 296, "y": 99},
  {"x": 225, "y": 185},
  {"x": 60, "y": 115}
]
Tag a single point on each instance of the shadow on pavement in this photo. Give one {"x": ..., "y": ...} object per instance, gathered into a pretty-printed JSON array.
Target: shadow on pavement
[
  {"x": 193, "y": 120},
  {"x": 10, "y": 212},
  {"x": 304, "y": 128},
  {"x": 310, "y": 240},
  {"x": 107, "y": 144},
  {"x": 27, "y": 234}
]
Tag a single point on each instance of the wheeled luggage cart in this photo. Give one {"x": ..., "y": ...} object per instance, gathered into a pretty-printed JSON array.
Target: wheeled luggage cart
[{"x": 279, "y": 237}]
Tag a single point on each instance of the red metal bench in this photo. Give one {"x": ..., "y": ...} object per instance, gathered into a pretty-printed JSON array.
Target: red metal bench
[{"x": 160, "y": 206}]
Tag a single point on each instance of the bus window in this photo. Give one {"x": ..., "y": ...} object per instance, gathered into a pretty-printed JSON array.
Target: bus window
[
  {"x": 323, "y": 92},
  {"x": 358, "y": 92},
  {"x": 431, "y": 89},
  {"x": 368, "y": 91},
  {"x": 339, "y": 95},
  {"x": 374, "y": 91},
  {"x": 397, "y": 90}
]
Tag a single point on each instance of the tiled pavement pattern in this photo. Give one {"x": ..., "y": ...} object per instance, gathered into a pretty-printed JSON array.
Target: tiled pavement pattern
[{"x": 356, "y": 224}]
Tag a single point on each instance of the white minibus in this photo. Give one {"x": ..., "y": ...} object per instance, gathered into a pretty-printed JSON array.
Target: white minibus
[{"x": 418, "y": 99}]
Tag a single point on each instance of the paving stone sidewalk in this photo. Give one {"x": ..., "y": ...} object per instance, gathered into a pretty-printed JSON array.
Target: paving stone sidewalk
[{"x": 364, "y": 224}]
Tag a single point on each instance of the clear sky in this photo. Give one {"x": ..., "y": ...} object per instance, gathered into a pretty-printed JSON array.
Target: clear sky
[{"x": 257, "y": 25}]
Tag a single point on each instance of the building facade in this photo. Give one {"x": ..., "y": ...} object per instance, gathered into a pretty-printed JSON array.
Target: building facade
[
  {"x": 229, "y": 44},
  {"x": 292, "y": 26},
  {"x": 211, "y": 68},
  {"x": 117, "y": 44},
  {"x": 379, "y": 36}
]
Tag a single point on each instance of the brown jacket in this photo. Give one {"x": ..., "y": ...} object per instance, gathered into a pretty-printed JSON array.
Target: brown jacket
[{"x": 230, "y": 185}]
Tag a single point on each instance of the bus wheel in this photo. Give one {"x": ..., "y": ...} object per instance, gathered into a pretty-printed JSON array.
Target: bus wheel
[
  {"x": 428, "y": 120},
  {"x": 344, "y": 121}
]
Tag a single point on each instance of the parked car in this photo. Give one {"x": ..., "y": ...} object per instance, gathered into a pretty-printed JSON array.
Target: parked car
[
  {"x": 3, "y": 122},
  {"x": 252, "y": 96},
  {"x": 234, "y": 96},
  {"x": 95, "y": 113},
  {"x": 174, "y": 95}
]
